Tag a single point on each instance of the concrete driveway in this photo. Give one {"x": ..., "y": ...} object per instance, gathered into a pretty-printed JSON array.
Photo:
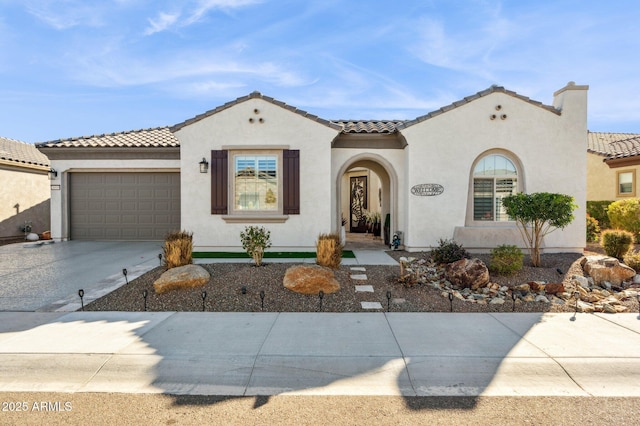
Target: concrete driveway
[{"x": 47, "y": 277}]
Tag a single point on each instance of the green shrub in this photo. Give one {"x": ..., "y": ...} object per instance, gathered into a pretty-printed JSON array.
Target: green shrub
[
  {"x": 632, "y": 260},
  {"x": 329, "y": 250},
  {"x": 625, "y": 214},
  {"x": 593, "y": 229},
  {"x": 255, "y": 240},
  {"x": 616, "y": 242},
  {"x": 178, "y": 248},
  {"x": 448, "y": 251},
  {"x": 505, "y": 260},
  {"x": 598, "y": 211}
]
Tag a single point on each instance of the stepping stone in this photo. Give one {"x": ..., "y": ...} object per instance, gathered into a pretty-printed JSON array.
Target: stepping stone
[
  {"x": 358, "y": 268},
  {"x": 364, "y": 289},
  {"x": 371, "y": 305},
  {"x": 360, "y": 277}
]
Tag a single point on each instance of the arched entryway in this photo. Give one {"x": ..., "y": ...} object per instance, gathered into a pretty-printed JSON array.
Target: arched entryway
[{"x": 367, "y": 186}]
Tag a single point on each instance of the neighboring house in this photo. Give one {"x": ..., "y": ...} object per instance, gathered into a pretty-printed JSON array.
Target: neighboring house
[
  {"x": 441, "y": 175},
  {"x": 613, "y": 166},
  {"x": 24, "y": 189}
]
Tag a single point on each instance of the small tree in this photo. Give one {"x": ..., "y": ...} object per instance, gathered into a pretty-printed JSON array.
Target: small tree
[
  {"x": 255, "y": 240},
  {"x": 537, "y": 215},
  {"x": 625, "y": 214}
]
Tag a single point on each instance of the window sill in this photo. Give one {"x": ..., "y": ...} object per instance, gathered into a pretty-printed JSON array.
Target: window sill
[{"x": 255, "y": 218}]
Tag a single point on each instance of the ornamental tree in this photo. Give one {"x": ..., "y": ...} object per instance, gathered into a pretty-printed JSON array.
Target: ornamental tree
[
  {"x": 255, "y": 240},
  {"x": 537, "y": 215}
]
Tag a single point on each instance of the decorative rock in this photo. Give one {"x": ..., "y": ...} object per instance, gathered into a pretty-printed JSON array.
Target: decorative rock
[
  {"x": 536, "y": 286},
  {"x": 541, "y": 299},
  {"x": 522, "y": 287},
  {"x": 496, "y": 301},
  {"x": 32, "y": 237},
  {"x": 310, "y": 279},
  {"x": 181, "y": 277},
  {"x": 636, "y": 279},
  {"x": 582, "y": 281},
  {"x": 607, "y": 308},
  {"x": 585, "y": 307},
  {"x": 554, "y": 288},
  {"x": 602, "y": 268},
  {"x": 472, "y": 273}
]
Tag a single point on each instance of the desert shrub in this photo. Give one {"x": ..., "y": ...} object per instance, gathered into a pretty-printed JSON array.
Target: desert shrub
[
  {"x": 255, "y": 240},
  {"x": 448, "y": 251},
  {"x": 625, "y": 214},
  {"x": 329, "y": 250},
  {"x": 593, "y": 229},
  {"x": 598, "y": 211},
  {"x": 616, "y": 242},
  {"x": 505, "y": 259},
  {"x": 632, "y": 260},
  {"x": 178, "y": 248}
]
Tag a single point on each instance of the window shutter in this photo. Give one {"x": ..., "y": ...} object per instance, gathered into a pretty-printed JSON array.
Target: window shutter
[
  {"x": 219, "y": 182},
  {"x": 291, "y": 181}
]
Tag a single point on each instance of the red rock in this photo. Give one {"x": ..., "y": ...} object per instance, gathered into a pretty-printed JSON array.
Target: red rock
[{"x": 554, "y": 288}]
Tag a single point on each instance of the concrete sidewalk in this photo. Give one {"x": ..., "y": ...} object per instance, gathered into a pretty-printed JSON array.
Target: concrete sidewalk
[{"x": 409, "y": 354}]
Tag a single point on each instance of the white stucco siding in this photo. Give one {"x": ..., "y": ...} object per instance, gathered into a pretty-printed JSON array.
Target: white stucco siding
[
  {"x": 443, "y": 149},
  {"x": 59, "y": 197},
  {"x": 280, "y": 128}
]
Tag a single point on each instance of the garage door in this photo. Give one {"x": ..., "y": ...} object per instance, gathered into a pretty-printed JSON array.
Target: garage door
[{"x": 123, "y": 206}]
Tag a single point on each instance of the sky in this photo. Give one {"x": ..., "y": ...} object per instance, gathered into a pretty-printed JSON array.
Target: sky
[{"x": 71, "y": 68}]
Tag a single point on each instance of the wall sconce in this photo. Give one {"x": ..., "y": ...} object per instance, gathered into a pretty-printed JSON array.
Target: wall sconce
[
  {"x": 52, "y": 174},
  {"x": 204, "y": 165}
]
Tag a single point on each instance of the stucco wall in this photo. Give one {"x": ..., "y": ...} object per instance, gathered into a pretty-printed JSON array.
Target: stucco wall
[
  {"x": 279, "y": 128},
  {"x": 550, "y": 147},
  {"x": 602, "y": 181},
  {"x": 29, "y": 191},
  {"x": 59, "y": 197}
]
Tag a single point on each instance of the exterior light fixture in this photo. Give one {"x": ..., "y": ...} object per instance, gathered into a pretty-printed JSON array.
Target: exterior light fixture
[
  {"x": 204, "y": 165},
  {"x": 52, "y": 174}
]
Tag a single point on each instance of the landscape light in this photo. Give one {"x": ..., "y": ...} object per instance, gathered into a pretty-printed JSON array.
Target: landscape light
[
  {"x": 145, "y": 293},
  {"x": 81, "y": 294}
]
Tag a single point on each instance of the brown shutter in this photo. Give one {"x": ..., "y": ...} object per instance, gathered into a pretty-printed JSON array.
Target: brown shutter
[
  {"x": 219, "y": 182},
  {"x": 291, "y": 181}
]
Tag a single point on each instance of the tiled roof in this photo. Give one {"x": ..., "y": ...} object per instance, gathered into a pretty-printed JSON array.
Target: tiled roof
[
  {"x": 372, "y": 126},
  {"x": 255, "y": 95},
  {"x": 21, "y": 153},
  {"x": 159, "y": 137},
  {"x": 466, "y": 100},
  {"x": 614, "y": 145}
]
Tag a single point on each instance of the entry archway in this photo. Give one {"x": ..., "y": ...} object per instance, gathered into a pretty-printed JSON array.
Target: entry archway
[{"x": 388, "y": 187}]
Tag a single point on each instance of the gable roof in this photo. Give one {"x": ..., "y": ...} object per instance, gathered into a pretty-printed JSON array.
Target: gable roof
[
  {"x": 21, "y": 153},
  {"x": 369, "y": 126},
  {"x": 255, "y": 95},
  {"x": 614, "y": 145},
  {"x": 159, "y": 137},
  {"x": 468, "y": 99}
]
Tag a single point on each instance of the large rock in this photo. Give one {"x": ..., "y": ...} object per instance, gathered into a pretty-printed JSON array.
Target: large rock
[
  {"x": 468, "y": 273},
  {"x": 181, "y": 277},
  {"x": 310, "y": 279},
  {"x": 609, "y": 269}
]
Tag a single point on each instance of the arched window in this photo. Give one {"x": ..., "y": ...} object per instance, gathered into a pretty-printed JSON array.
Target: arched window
[{"x": 494, "y": 177}]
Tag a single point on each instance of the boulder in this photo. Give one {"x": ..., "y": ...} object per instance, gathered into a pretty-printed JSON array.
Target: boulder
[
  {"x": 554, "y": 288},
  {"x": 310, "y": 279},
  {"x": 468, "y": 273},
  {"x": 181, "y": 277},
  {"x": 609, "y": 269}
]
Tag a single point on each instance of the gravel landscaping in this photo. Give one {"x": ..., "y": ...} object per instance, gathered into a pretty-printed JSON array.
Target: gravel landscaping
[{"x": 224, "y": 292}]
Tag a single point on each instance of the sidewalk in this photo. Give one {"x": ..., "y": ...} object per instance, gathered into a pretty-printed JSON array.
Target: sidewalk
[{"x": 408, "y": 354}]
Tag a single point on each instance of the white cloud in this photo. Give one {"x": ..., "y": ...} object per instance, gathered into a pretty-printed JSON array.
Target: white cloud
[
  {"x": 64, "y": 14},
  {"x": 162, "y": 22}
]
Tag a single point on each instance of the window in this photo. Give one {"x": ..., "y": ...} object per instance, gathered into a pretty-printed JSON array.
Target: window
[
  {"x": 264, "y": 183},
  {"x": 256, "y": 182},
  {"x": 494, "y": 177},
  {"x": 626, "y": 183}
]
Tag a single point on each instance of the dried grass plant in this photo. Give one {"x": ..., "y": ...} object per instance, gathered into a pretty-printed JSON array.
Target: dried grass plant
[
  {"x": 329, "y": 250},
  {"x": 178, "y": 248}
]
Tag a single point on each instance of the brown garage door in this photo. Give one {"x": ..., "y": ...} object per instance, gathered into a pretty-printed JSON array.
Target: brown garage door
[{"x": 123, "y": 206}]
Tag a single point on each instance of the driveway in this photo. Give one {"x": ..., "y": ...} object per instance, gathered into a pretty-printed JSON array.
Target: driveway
[{"x": 47, "y": 277}]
